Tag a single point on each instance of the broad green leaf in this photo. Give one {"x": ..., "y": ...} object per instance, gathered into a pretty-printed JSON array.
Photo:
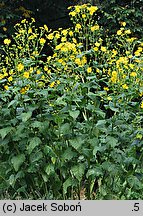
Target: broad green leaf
[
  {"x": 5, "y": 131},
  {"x": 49, "y": 169},
  {"x": 111, "y": 141},
  {"x": 65, "y": 128},
  {"x": 45, "y": 177},
  {"x": 13, "y": 102},
  {"x": 78, "y": 171},
  {"x": 68, "y": 154},
  {"x": 49, "y": 151},
  {"x": 26, "y": 116},
  {"x": 101, "y": 123},
  {"x": 36, "y": 124},
  {"x": 35, "y": 141},
  {"x": 36, "y": 156},
  {"x": 17, "y": 161},
  {"x": 74, "y": 113},
  {"x": 60, "y": 101},
  {"x": 111, "y": 106},
  {"x": 100, "y": 113},
  {"x": 69, "y": 182},
  {"x": 95, "y": 172},
  {"x": 77, "y": 143},
  {"x": 11, "y": 180}
]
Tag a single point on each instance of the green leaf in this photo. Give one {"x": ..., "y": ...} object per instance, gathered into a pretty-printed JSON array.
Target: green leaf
[
  {"x": 17, "y": 161},
  {"x": 69, "y": 182},
  {"x": 49, "y": 169},
  {"x": 45, "y": 177},
  {"x": 5, "y": 131},
  {"x": 36, "y": 124},
  {"x": 78, "y": 171},
  {"x": 101, "y": 123},
  {"x": 65, "y": 128},
  {"x": 35, "y": 141},
  {"x": 95, "y": 172},
  {"x": 74, "y": 113},
  {"x": 100, "y": 113},
  {"x": 36, "y": 157},
  {"x": 111, "y": 106},
  {"x": 68, "y": 154},
  {"x": 13, "y": 102},
  {"x": 26, "y": 116},
  {"x": 49, "y": 151},
  {"x": 111, "y": 141},
  {"x": 77, "y": 143},
  {"x": 11, "y": 180}
]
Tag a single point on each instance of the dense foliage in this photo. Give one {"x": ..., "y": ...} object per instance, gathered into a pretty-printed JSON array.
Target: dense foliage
[{"x": 71, "y": 124}]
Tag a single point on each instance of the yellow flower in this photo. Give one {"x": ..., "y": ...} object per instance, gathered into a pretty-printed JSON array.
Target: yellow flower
[
  {"x": 49, "y": 58},
  {"x": 23, "y": 90},
  {"x": 64, "y": 32},
  {"x": 125, "y": 86},
  {"x": 57, "y": 35},
  {"x": 97, "y": 70},
  {"x": 106, "y": 89},
  {"x": 78, "y": 26},
  {"x": 64, "y": 49},
  {"x": 123, "y": 24},
  {"x": 74, "y": 40},
  {"x": 142, "y": 104},
  {"x": 29, "y": 30},
  {"x": 95, "y": 49},
  {"x": 103, "y": 49},
  {"x": 35, "y": 53},
  {"x": 10, "y": 78},
  {"x": 4, "y": 29},
  {"x": 38, "y": 72},
  {"x": 46, "y": 28},
  {"x": 77, "y": 9},
  {"x": 119, "y": 32},
  {"x": 89, "y": 70},
  {"x": 137, "y": 53},
  {"x": 93, "y": 28},
  {"x": 58, "y": 82},
  {"x": 7, "y": 41},
  {"x": 52, "y": 84},
  {"x": 46, "y": 68},
  {"x": 133, "y": 74},
  {"x": 128, "y": 31},
  {"x": 11, "y": 72},
  {"x": 63, "y": 39},
  {"x": 20, "y": 67},
  {"x": 97, "y": 44},
  {"x": 70, "y": 33},
  {"x": 77, "y": 61},
  {"x": 114, "y": 52},
  {"x": 6, "y": 87},
  {"x": 23, "y": 21},
  {"x": 50, "y": 36},
  {"x": 92, "y": 9},
  {"x": 26, "y": 75},
  {"x": 73, "y": 13},
  {"x": 114, "y": 73},
  {"x": 109, "y": 98},
  {"x": 83, "y": 16},
  {"x": 83, "y": 60},
  {"x": 42, "y": 41}
]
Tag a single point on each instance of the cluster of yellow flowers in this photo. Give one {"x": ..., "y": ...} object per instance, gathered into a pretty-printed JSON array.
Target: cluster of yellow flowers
[
  {"x": 84, "y": 9},
  {"x": 71, "y": 54}
]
